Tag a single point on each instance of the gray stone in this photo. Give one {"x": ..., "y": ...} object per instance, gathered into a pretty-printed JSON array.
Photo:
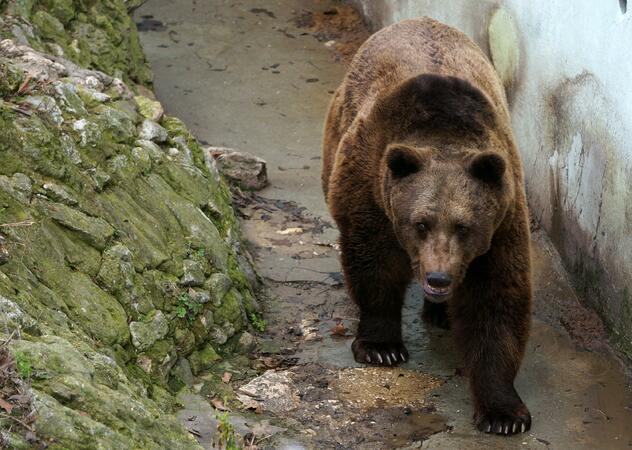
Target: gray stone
[
  {"x": 59, "y": 194},
  {"x": 272, "y": 391},
  {"x": 217, "y": 336},
  {"x": 100, "y": 178},
  {"x": 218, "y": 284},
  {"x": 94, "y": 230},
  {"x": 244, "y": 169},
  {"x": 46, "y": 105},
  {"x": 89, "y": 132},
  {"x": 96, "y": 96},
  {"x": 149, "y": 109},
  {"x": 246, "y": 343},
  {"x": 203, "y": 359},
  {"x": 142, "y": 158},
  {"x": 199, "y": 295},
  {"x": 155, "y": 153},
  {"x": 19, "y": 186},
  {"x": 116, "y": 273},
  {"x": 182, "y": 372},
  {"x": 151, "y": 131},
  {"x": 55, "y": 49},
  {"x": 67, "y": 94},
  {"x": 146, "y": 333},
  {"x": 246, "y": 266},
  {"x": 193, "y": 274},
  {"x": 117, "y": 123},
  {"x": 36, "y": 64},
  {"x": 184, "y": 154},
  {"x": 12, "y": 316},
  {"x": 70, "y": 149}
]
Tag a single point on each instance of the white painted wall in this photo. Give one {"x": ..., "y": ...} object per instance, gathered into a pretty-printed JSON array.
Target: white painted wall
[{"x": 571, "y": 102}]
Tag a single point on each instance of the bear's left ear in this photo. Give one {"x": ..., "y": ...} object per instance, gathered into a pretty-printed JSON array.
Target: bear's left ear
[
  {"x": 403, "y": 161},
  {"x": 488, "y": 167}
]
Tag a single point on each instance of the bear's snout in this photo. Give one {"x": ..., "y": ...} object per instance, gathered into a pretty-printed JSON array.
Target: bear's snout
[
  {"x": 437, "y": 286},
  {"x": 438, "y": 279}
]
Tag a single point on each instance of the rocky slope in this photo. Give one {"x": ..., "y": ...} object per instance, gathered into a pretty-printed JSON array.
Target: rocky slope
[{"x": 122, "y": 272}]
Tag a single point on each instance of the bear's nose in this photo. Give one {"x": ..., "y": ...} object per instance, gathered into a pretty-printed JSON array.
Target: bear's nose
[{"x": 438, "y": 279}]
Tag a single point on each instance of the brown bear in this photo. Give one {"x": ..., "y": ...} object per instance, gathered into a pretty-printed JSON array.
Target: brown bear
[{"x": 423, "y": 178}]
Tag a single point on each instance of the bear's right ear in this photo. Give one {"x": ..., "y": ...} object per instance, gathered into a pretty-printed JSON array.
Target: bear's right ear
[
  {"x": 403, "y": 161},
  {"x": 488, "y": 167}
]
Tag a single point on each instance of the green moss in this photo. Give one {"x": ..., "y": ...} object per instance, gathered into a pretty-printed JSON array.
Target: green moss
[
  {"x": 49, "y": 26},
  {"x": 20, "y": 7},
  {"x": 187, "y": 308},
  {"x": 203, "y": 359},
  {"x": 10, "y": 79},
  {"x": 97, "y": 282},
  {"x": 237, "y": 275},
  {"x": 63, "y": 10},
  {"x": 624, "y": 326},
  {"x": 23, "y": 364},
  {"x": 230, "y": 310},
  {"x": 257, "y": 321}
]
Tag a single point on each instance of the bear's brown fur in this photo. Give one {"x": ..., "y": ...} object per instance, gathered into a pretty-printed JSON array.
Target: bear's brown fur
[{"x": 423, "y": 178}]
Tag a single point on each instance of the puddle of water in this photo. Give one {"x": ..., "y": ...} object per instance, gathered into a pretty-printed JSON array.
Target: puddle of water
[{"x": 416, "y": 427}]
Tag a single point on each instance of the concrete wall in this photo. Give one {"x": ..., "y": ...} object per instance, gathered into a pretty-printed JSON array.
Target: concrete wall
[{"x": 567, "y": 67}]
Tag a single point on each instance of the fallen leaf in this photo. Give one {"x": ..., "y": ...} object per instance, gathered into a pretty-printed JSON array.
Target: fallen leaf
[
  {"x": 297, "y": 230},
  {"x": 339, "y": 330},
  {"x": 226, "y": 377},
  {"x": 218, "y": 404},
  {"x": 8, "y": 407}
]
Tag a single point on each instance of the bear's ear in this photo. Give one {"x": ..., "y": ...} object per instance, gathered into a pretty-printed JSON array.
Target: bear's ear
[
  {"x": 488, "y": 167},
  {"x": 403, "y": 161}
]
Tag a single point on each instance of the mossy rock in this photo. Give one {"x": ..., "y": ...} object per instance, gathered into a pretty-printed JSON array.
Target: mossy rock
[
  {"x": 49, "y": 26},
  {"x": 116, "y": 233},
  {"x": 10, "y": 79},
  {"x": 203, "y": 359},
  {"x": 63, "y": 10}
]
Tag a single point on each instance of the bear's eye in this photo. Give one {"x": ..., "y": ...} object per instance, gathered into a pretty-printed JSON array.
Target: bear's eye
[
  {"x": 422, "y": 228},
  {"x": 462, "y": 230}
]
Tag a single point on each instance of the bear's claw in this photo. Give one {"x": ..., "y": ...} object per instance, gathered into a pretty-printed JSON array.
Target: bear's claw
[
  {"x": 379, "y": 353},
  {"x": 504, "y": 424}
]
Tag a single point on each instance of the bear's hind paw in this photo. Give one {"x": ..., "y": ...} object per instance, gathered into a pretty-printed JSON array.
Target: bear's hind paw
[{"x": 379, "y": 353}]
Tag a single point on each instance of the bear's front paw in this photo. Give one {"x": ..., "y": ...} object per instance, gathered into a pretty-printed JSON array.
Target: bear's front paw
[
  {"x": 505, "y": 421},
  {"x": 379, "y": 353}
]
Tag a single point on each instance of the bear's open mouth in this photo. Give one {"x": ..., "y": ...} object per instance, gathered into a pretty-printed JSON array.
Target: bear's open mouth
[{"x": 436, "y": 292}]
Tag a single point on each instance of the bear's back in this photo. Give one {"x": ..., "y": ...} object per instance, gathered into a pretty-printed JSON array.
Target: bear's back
[{"x": 410, "y": 48}]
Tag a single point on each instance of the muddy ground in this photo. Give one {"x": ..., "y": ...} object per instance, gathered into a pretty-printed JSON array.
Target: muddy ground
[{"x": 259, "y": 79}]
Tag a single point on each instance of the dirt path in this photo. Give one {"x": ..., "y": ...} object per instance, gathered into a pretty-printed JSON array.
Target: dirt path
[{"x": 259, "y": 79}]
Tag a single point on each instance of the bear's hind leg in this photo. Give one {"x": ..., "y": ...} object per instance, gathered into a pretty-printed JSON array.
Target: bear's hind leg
[
  {"x": 436, "y": 314},
  {"x": 377, "y": 273}
]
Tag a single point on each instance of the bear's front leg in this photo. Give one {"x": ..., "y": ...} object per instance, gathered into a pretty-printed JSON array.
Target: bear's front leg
[
  {"x": 377, "y": 272},
  {"x": 491, "y": 322}
]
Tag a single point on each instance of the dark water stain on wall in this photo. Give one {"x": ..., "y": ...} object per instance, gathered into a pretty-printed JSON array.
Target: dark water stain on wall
[{"x": 588, "y": 201}]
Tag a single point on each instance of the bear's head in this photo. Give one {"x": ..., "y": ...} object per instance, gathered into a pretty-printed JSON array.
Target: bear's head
[{"x": 445, "y": 183}]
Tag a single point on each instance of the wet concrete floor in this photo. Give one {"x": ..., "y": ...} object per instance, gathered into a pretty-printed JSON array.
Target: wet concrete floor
[{"x": 257, "y": 76}]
